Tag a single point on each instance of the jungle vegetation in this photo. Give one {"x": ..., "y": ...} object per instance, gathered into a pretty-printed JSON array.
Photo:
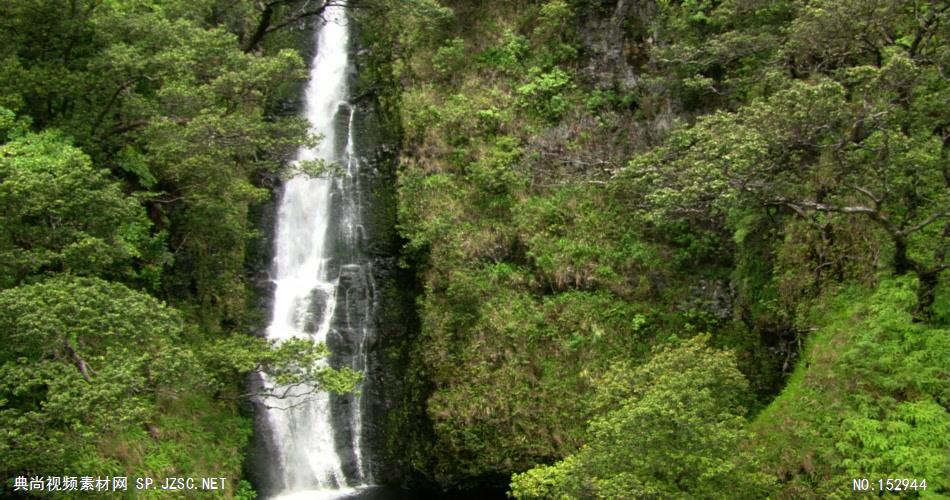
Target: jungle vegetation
[
  {"x": 677, "y": 249},
  {"x": 661, "y": 249}
]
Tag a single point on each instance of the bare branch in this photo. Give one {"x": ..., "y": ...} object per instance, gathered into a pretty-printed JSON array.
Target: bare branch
[
  {"x": 84, "y": 369},
  {"x": 267, "y": 23},
  {"x": 866, "y": 192},
  {"x": 926, "y": 222}
]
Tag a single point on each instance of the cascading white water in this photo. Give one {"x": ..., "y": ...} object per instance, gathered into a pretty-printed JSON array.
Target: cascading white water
[{"x": 305, "y": 297}]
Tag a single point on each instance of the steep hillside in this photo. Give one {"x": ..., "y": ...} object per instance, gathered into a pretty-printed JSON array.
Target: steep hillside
[{"x": 585, "y": 185}]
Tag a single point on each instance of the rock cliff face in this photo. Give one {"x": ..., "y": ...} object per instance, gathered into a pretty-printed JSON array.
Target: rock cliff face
[
  {"x": 378, "y": 297},
  {"x": 615, "y": 38},
  {"x": 614, "y": 34}
]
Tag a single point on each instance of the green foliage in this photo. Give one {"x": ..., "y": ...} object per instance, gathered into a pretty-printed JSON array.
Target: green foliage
[
  {"x": 517, "y": 353},
  {"x": 449, "y": 58},
  {"x": 600, "y": 176},
  {"x": 61, "y": 214},
  {"x": 209, "y": 154},
  {"x": 313, "y": 168},
  {"x": 867, "y": 400},
  {"x": 245, "y": 491},
  {"x": 493, "y": 173},
  {"x": 801, "y": 150},
  {"x": 554, "y": 35},
  {"x": 668, "y": 428},
  {"x": 295, "y": 361},
  {"x": 74, "y": 346},
  {"x": 299, "y": 361},
  {"x": 509, "y": 54},
  {"x": 543, "y": 92},
  {"x": 11, "y": 126},
  {"x": 572, "y": 239},
  {"x": 98, "y": 375},
  {"x": 166, "y": 99},
  {"x": 532, "y": 286}
]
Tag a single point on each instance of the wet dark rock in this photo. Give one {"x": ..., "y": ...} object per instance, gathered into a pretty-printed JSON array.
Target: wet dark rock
[
  {"x": 318, "y": 304},
  {"x": 262, "y": 450}
]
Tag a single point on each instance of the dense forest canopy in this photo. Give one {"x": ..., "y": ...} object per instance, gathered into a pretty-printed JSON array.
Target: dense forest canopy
[
  {"x": 602, "y": 197},
  {"x": 664, "y": 248}
]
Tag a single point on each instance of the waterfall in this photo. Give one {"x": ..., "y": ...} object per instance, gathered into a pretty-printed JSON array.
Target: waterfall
[{"x": 323, "y": 288}]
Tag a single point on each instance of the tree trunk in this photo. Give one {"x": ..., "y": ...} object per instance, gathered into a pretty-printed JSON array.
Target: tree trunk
[
  {"x": 262, "y": 26},
  {"x": 927, "y": 282},
  {"x": 902, "y": 263},
  {"x": 84, "y": 369}
]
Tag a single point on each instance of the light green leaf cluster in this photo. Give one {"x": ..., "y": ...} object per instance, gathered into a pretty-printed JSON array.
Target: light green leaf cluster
[
  {"x": 869, "y": 399},
  {"x": 74, "y": 347},
  {"x": 671, "y": 427}
]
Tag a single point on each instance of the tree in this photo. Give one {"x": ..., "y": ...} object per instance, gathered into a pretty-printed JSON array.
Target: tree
[
  {"x": 58, "y": 213},
  {"x": 670, "y": 428},
  {"x": 295, "y": 366},
  {"x": 163, "y": 97},
  {"x": 277, "y": 14},
  {"x": 85, "y": 362},
  {"x": 858, "y": 149},
  {"x": 71, "y": 348}
]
